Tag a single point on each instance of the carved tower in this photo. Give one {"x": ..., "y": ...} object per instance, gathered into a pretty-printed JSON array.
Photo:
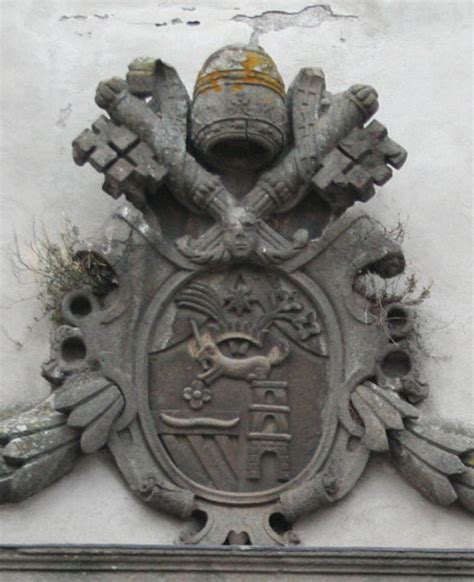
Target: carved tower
[{"x": 268, "y": 427}]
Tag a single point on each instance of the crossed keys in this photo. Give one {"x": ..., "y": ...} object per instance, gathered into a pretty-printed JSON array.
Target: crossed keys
[{"x": 332, "y": 153}]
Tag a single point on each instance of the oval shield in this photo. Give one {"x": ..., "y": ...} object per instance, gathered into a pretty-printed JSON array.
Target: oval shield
[{"x": 231, "y": 357}]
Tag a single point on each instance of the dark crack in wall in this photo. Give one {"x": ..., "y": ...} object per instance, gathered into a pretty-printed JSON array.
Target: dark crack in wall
[{"x": 274, "y": 20}]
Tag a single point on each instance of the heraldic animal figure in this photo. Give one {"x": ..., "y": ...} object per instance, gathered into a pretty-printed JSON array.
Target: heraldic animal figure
[{"x": 216, "y": 364}]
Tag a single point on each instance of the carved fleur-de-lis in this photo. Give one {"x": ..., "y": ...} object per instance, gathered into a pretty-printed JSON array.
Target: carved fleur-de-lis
[
  {"x": 287, "y": 301},
  {"x": 307, "y": 326}
]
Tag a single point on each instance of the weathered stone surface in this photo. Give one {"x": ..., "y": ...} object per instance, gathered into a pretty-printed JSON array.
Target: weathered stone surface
[
  {"x": 236, "y": 374},
  {"x": 128, "y": 165},
  {"x": 36, "y": 449}
]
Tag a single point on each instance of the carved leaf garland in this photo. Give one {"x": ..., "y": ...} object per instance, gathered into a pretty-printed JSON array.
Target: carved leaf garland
[
  {"x": 430, "y": 458},
  {"x": 93, "y": 403},
  {"x": 433, "y": 457},
  {"x": 38, "y": 448},
  {"x": 380, "y": 410}
]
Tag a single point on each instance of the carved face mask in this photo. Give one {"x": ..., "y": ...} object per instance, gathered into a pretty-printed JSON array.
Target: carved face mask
[{"x": 240, "y": 238}]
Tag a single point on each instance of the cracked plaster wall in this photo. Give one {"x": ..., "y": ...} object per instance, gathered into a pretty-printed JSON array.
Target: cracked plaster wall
[{"x": 416, "y": 54}]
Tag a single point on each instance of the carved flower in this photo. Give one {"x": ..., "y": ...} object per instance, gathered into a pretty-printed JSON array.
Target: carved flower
[
  {"x": 196, "y": 394},
  {"x": 287, "y": 300},
  {"x": 307, "y": 326},
  {"x": 239, "y": 299}
]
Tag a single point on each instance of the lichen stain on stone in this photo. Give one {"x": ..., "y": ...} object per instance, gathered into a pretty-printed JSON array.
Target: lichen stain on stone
[
  {"x": 253, "y": 62},
  {"x": 213, "y": 79},
  {"x": 468, "y": 459},
  {"x": 256, "y": 70},
  {"x": 275, "y": 20}
]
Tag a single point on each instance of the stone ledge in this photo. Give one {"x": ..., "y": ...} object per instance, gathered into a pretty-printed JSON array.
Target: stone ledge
[{"x": 241, "y": 560}]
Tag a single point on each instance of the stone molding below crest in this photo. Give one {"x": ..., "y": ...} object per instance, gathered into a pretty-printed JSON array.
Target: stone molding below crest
[{"x": 127, "y": 562}]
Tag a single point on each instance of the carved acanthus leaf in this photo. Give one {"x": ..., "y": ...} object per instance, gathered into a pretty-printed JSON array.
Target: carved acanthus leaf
[
  {"x": 92, "y": 403},
  {"x": 380, "y": 409},
  {"x": 435, "y": 459}
]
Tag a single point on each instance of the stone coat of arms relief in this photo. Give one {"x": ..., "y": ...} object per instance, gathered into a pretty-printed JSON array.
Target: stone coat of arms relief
[{"x": 237, "y": 373}]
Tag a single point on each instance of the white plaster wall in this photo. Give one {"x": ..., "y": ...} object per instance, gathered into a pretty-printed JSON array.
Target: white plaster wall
[{"x": 418, "y": 56}]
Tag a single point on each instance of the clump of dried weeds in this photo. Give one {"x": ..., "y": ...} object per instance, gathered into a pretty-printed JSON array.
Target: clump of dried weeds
[
  {"x": 58, "y": 267},
  {"x": 380, "y": 293}
]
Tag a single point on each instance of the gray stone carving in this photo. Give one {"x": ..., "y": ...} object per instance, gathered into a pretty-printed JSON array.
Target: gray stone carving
[{"x": 237, "y": 373}]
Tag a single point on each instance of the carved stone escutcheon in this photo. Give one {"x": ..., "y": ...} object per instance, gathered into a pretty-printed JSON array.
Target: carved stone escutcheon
[{"x": 236, "y": 373}]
